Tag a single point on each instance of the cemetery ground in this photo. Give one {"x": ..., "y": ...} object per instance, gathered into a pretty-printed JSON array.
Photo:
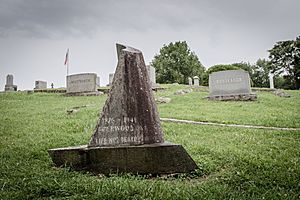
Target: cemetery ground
[{"x": 236, "y": 163}]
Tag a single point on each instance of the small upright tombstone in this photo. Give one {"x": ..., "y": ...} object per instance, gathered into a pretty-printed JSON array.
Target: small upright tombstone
[
  {"x": 39, "y": 85},
  {"x": 190, "y": 81},
  {"x": 128, "y": 136},
  {"x": 110, "y": 79},
  {"x": 152, "y": 75},
  {"x": 196, "y": 81},
  {"x": 9, "y": 86},
  {"x": 82, "y": 84},
  {"x": 271, "y": 79},
  {"x": 98, "y": 81},
  {"x": 230, "y": 85}
]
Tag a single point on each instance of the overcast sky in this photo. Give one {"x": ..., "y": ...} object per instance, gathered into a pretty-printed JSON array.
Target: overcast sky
[{"x": 35, "y": 34}]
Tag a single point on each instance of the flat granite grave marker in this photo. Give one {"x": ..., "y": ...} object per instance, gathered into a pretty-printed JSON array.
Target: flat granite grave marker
[
  {"x": 40, "y": 85},
  {"x": 128, "y": 136},
  {"x": 230, "y": 85},
  {"x": 82, "y": 84},
  {"x": 9, "y": 86}
]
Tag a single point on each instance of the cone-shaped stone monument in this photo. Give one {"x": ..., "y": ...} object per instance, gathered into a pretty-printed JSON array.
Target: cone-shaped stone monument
[{"x": 128, "y": 136}]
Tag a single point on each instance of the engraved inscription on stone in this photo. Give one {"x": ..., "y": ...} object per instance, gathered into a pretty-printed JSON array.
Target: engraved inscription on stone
[
  {"x": 230, "y": 82},
  {"x": 129, "y": 116},
  {"x": 77, "y": 83}
]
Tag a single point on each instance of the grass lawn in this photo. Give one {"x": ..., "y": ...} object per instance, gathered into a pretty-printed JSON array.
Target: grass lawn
[{"x": 234, "y": 163}]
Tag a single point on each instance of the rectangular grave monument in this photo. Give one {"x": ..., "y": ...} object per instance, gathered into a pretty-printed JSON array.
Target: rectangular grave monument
[
  {"x": 9, "y": 86},
  {"x": 230, "y": 85},
  {"x": 128, "y": 136},
  {"x": 39, "y": 85},
  {"x": 82, "y": 84}
]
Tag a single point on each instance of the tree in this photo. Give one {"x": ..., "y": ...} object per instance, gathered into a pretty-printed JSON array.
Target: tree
[
  {"x": 175, "y": 63},
  {"x": 285, "y": 59},
  {"x": 260, "y": 74}
]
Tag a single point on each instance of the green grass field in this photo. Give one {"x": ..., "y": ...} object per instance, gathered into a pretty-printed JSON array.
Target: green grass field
[{"x": 235, "y": 163}]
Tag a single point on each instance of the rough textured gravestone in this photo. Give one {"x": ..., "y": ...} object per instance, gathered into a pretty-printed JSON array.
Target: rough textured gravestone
[
  {"x": 196, "y": 81},
  {"x": 40, "y": 85},
  {"x": 9, "y": 86},
  {"x": 230, "y": 85},
  {"x": 110, "y": 79},
  {"x": 190, "y": 81},
  {"x": 128, "y": 136},
  {"x": 82, "y": 84}
]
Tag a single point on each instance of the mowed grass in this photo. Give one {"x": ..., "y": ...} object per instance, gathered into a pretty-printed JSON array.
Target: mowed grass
[
  {"x": 268, "y": 110},
  {"x": 234, "y": 163}
]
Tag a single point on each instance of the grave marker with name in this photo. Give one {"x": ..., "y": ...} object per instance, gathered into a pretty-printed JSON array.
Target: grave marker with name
[
  {"x": 80, "y": 84},
  {"x": 230, "y": 85}
]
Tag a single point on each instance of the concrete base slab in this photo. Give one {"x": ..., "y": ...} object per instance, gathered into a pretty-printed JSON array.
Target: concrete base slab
[{"x": 165, "y": 158}]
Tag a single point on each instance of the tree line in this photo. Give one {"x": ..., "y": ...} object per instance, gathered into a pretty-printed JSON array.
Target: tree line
[{"x": 176, "y": 62}]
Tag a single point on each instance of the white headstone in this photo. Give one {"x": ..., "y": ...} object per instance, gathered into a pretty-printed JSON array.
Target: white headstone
[
  {"x": 190, "y": 81},
  {"x": 152, "y": 75},
  {"x": 196, "y": 81},
  {"x": 271, "y": 79},
  {"x": 80, "y": 83},
  {"x": 229, "y": 82},
  {"x": 110, "y": 78}
]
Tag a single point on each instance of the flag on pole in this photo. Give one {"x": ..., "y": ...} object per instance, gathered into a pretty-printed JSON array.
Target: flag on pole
[{"x": 67, "y": 57}]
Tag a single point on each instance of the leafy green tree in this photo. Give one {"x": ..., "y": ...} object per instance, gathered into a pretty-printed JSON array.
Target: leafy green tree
[
  {"x": 260, "y": 73},
  {"x": 216, "y": 68},
  {"x": 176, "y": 62},
  {"x": 285, "y": 59}
]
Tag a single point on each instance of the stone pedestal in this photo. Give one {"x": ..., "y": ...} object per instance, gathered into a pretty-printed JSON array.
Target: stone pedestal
[{"x": 162, "y": 158}]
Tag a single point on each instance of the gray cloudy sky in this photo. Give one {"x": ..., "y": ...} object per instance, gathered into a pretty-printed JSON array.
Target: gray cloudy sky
[{"x": 35, "y": 34}]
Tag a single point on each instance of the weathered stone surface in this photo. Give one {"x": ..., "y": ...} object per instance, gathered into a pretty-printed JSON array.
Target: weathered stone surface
[
  {"x": 80, "y": 83},
  {"x": 183, "y": 91},
  {"x": 230, "y": 85},
  {"x": 281, "y": 93},
  {"x": 163, "y": 158},
  {"x": 163, "y": 100},
  {"x": 40, "y": 85},
  {"x": 129, "y": 116},
  {"x": 271, "y": 80}
]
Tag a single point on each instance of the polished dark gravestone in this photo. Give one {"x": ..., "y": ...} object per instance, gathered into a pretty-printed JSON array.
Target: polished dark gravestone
[{"x": 128, "y": 136}]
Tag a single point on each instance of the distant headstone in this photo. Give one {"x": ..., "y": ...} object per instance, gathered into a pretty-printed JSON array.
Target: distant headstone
[
  {"x": 230, "y": 85},
  {"x": 82, "y": 84},
  {"x": 190, "y": 81},
  {"x": 152, "y": 75},
  {"x": 128, "y": 136},
  {"x": 196, "y": 81},
  {"x": 40, "y": 85},
  {"x": 271, "y": 79},
  {"x": 110, "y": 79},
  {"x": 98, "y": 81},
  {"x": 52, "y": 85},
  {"x": 9, "y": 86}
]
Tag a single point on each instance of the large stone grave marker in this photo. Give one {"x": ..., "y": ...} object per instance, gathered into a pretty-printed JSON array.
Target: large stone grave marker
[
  {"x": 152, "y": 75},
  {"x": 271, "y": 80},
  {"x": 9, "y": 86},
  {"x": 230, "y": 85},
  {"x": 40, "y": 85},
  {"x": 128, "y": 136},
  {"x": 82, "y": 84}
]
